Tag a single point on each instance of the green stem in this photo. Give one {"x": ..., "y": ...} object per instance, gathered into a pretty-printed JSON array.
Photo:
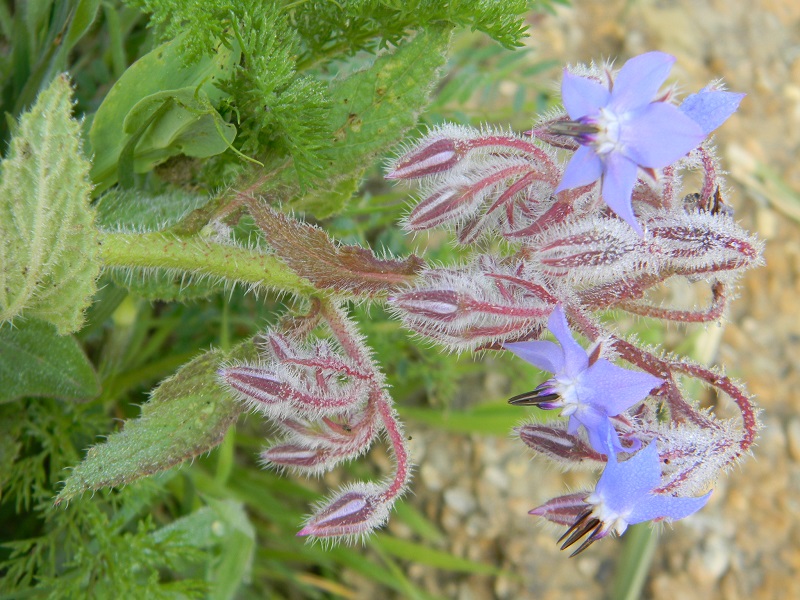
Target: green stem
[
  {"x": 197, "y": 255},
  {"x": 639, "y": 546}
]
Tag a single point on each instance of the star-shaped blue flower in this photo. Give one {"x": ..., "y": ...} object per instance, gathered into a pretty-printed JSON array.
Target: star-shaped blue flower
[
  {"x": 623, "y": 128},
  {"x": 587, "y": 389},
  {"x": 624, "y": 496}
]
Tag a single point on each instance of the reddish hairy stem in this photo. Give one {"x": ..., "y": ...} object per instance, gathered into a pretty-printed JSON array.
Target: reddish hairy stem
[
  {"x": 714, "y": 311},
  {"x": 378, "y": 399},
  {"x": 709, "y": 176},
  {"x": 618, "y": 292},
  {"x": 723, "y": 383},
  {"x": 516, "y": 187},
  {"x": 395, "y": 432},
  {"x": 517, "y": 144}
]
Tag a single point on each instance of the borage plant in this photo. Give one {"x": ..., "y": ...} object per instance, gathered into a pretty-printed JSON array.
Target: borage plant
[{"x": 275, "y": 105}]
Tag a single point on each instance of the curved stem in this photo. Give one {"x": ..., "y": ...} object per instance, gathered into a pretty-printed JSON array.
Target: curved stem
[{"x": 379, "y": 399}]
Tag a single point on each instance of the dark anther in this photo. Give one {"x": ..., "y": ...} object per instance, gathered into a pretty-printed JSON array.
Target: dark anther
[
  {"x": 573, "y": 128},
  {"x": 584, "y": 525},
  {"x": 535, "y": 397}
]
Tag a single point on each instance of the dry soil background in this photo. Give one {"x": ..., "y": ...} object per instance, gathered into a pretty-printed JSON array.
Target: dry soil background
[{"x": 746, "y": 543}]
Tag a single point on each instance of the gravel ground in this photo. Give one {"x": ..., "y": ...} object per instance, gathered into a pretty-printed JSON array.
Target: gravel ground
[{"x": 746, "y": 542}]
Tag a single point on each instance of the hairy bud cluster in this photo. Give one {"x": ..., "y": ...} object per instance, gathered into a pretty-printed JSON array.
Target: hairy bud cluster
[
  {"x": 597, "y": 233},
  {"x": 328, "y": 405}
]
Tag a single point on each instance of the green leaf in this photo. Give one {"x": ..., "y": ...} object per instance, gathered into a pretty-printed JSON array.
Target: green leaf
[
  {"x": 326, "y": 203},
  {"x": 187, "y": 415},
  {"x": 374, "y": 108},
  {"x": 638, "y": 549},
  {"x": 82, "y": 19},
  {"x": 422, "y": 554},
  {"x": 489, "y": 419},
  {"x": 224, "y": 523},
  {"x": 48, "y": 243},
  {"x": 168, "y": 123},
  {"x": 36, "y": 361},
  {"x": 161, "y": 107},
  {"x": 134, "y": 210}
]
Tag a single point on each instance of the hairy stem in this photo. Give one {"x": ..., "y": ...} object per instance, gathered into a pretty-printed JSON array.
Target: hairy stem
[
  {"x": 379, "y": 399},
  {"x": 199, "y": 256}
]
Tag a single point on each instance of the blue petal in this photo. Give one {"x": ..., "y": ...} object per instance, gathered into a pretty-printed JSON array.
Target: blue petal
[
  {"x": 582, "y": 96},
  {"x": 624, "y": 485},
  {"x": 575, "y": 358},
  {"x": 711, "y": 109},
  {"x": 602, "y": 436},
  {"x": 639, "y": 80},
  {"x": 584, "y": 167},
  {"x": 544, "y": 355},
  {"x": 618, "y": 181},
  {"x": 659, "y": 134},
  {"x": 657, "y": 506},
  {"x": 615, "y": 389}
]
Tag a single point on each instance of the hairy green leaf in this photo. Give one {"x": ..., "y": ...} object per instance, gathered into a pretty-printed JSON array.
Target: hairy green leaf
[
  {"x": 372, "y": 109},
  {"x": 48, "y": 243},
  {"x": 137, "y": 211},
  {"x": 161, "y": 107},
  {"x": 36, "y": 361},
  {"x": 187, "y": 415}
]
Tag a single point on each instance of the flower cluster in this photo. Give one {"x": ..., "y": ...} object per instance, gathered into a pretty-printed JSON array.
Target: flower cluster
[
  {"x": 578, "y": 248},
  {"x": 572, "y": 249}
]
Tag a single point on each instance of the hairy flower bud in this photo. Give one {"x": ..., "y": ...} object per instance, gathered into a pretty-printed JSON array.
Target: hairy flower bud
[
  {"x": 591, "y": 250},
  {"x": 553, "y": 441},
  {"x": 701, "y": 242},
  {"x": 464, "y": 309},
  {"x": 563, "y": 510},
  {"x": 351, "y": 513},
  {"x": 434, "y": 155},
  {"x": 279, "y": 392}
]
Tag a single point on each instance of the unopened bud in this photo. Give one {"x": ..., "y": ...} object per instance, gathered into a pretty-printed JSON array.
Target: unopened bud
[
  {"x": 258, "y": 384},
  {"x": 557, "y": 444},
  {"x": 434, "y": 156},
  {"x": 351, "y": 513},
  {"x": 296, "y": 456},
  {"x": 563, "y": 510},
  {"x": 442, "y": 305}
]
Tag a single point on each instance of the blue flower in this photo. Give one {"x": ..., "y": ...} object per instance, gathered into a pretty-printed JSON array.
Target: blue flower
[
  {"x": 623, "y": 128},
  {"x": 624, "y": 496},
  {"x": 587, "y": 389}
]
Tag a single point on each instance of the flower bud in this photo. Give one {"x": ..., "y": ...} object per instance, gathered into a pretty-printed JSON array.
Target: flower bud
[
  {"x": 432, "y": 156},
  {"x": 563, "y": 510},
  {"x": 558, "y": 445},
  {"x": 352, "y": 512}
]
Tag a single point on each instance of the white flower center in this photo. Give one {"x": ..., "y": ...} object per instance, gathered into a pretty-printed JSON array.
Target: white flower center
[
  {"x": 611, "y": 519},
  {"x": 569, "y": 393},
  {"x": 607, "y": 138}
]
